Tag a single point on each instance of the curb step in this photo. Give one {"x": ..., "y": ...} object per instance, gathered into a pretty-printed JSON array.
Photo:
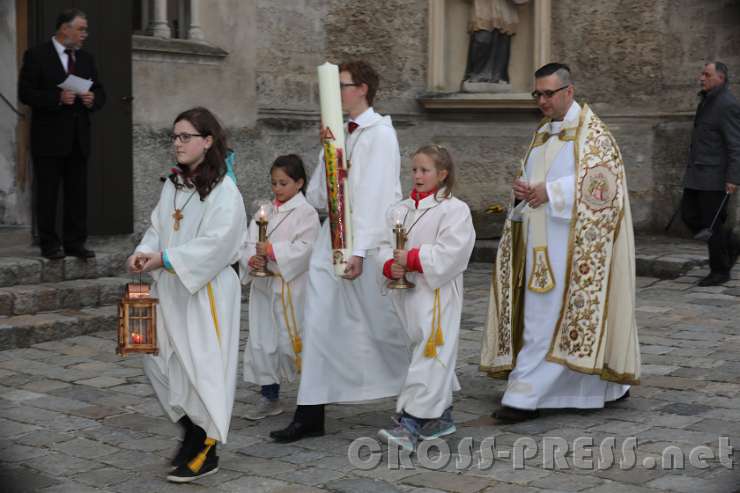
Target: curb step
[
  {"x": 34, "y": 270},
  {"x": 27, "y": 330},
  {"x": 28, "y": 299}
]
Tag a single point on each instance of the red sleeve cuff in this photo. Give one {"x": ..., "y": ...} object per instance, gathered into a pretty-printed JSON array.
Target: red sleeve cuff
[
  {"x": 270, "y": 252},
  {"x": 387, "y": 268},
  {"x": 413, "y": 262}
]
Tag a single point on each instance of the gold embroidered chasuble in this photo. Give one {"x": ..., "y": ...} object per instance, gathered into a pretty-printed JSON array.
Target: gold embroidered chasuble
[{"x": 596, "y": 331}]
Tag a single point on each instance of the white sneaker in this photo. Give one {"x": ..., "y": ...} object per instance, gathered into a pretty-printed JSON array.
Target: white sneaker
[
  {"x": 399, "y": 436},
  {"x": 264, "y": 408}
]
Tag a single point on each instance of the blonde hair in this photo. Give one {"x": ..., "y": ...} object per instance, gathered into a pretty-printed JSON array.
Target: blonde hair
[{"x": 442, "y": 161}]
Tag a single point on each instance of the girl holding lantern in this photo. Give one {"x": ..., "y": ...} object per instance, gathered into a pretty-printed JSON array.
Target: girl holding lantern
[
  {"x": 439, "y": 231},
  {"x": 273, "y": 349},
  {"x": 196, "y": 233}
]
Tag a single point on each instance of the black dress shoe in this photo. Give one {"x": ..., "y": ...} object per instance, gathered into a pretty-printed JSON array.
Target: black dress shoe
[
  {"x": 507, "y": 414},
  {"x": 715, "y": 279},
  {"x": 624, "y": 397},
  {"x": 81, "y": 252},
  {"x": 294, "y": 432},
  {"x": 54, "y": 254}
]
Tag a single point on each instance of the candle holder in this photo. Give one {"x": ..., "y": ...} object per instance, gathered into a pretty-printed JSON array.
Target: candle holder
[
  {"x": 396, "y": 217},
  {"x": 263, "y": 211}
]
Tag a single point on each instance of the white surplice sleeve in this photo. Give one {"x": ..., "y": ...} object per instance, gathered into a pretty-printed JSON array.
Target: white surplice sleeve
[
  {"x": 292, "y": 256},
  {"x": 447, "y": 258},
  {"x": 219, "y": 241},
  {"x": 376, "y": 188}
]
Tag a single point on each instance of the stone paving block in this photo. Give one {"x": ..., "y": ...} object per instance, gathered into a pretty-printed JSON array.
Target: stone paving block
[
  {"x": 13, "y": 429},
  {"x": 253, "y": 484},
  {"x": 97, "y": 412},
  {"x": 57, "y": 465},
  {"x": 22, "y": 479},
  {"x": 566, "y": 482},
  {"x": 135, "y": 459},
  {"x": 145, "y": 424},
  {"x": 254, "y": 465},
  {"x": 104, "y": 476},
  {"x": 311, "y": 476},
  {"x": 137, "y": 389},
  {"x": 85, "y": 448},
  {"x": 45, "y": 385},
  {"x": 22, "y": 453},
  {"x": 447, "y": 482},
  {"x": 69, "y": 486},
  {"x": 102, "y": 382},
  {"x": 44, "y": 438},
  {"x": 112, "y": 435},
  {"x": 361, "y": 486},
  {"x": 151, "y": 444}
]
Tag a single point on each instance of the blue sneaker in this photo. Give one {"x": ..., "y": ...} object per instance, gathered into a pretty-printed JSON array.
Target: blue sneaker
[{"x": 437, "y": 428}]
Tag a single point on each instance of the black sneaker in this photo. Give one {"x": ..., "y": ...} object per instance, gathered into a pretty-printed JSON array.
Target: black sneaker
[
  {"x": 715, "y": 279},
  {"x": 204, "y": 464}
]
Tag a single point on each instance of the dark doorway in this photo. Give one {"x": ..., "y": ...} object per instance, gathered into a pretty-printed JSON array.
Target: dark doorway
[{"x": 110, "y": 168}]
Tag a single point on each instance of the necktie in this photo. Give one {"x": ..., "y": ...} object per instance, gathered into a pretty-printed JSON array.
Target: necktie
[
  {"x": 70, "y": 61},
  {"x": 352, "y": 126}
]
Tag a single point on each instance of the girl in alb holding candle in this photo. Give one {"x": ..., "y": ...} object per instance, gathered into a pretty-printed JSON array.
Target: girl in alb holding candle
[
  {"x": 440, "y": 239},
  {"x": 273, "y": 349},
  {"x": 196, "y": 233}
]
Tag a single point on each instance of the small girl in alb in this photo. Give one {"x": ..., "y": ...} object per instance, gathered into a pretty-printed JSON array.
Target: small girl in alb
[
  {"x": 272, "y": 354},
  {"x": 440, "y": 239}
]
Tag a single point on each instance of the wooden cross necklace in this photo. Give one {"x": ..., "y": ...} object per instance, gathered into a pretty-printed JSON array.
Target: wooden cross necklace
[{"x": 178, "y": 215}]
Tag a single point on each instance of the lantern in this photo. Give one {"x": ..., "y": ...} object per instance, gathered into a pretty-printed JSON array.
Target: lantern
[
  {"x": 137, "y": 321},
  {"x": 263, "y": 212},
  {"x": 396, "y": 216}
]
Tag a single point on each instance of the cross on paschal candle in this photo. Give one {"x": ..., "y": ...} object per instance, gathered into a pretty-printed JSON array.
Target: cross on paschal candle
[{"x": 177, "y": 216}]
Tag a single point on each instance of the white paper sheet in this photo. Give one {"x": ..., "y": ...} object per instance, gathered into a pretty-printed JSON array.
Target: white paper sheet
[{"x": 78, "y": 85}]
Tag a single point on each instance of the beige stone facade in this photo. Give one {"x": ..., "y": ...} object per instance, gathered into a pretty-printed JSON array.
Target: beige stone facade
[{"x": 635, "y": 62}]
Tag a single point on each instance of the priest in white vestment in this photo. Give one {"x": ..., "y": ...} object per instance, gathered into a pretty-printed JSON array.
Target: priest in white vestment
[
  {"x": 561, "y": 319},
  {"x": 354, "y": 348}
]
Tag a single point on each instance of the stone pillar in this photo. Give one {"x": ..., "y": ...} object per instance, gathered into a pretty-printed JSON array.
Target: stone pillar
[
  {"x": 194, "y": 30},
  {"x": 436, "y": 72},
  {"x": 158, "y": 25}
]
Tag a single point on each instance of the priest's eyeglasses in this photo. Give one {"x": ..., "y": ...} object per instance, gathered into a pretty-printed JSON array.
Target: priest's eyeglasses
[
  {"x": 183, "y": 137},
  {"x": 547, "y": 93}
]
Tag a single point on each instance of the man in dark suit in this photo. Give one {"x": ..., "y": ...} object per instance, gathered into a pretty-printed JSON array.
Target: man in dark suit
[
  {"x": 60, "y": 132},
  {"x": 713, "y": 170}
]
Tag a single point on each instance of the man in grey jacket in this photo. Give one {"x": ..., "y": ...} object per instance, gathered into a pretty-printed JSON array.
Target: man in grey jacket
[{"x": 713, "y": 170}]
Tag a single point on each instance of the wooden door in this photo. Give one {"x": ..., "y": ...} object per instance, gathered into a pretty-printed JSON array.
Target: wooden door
[{"x": 110, "y": 166}]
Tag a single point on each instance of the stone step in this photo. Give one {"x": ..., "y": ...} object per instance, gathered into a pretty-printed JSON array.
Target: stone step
[
  {"x": 34, "y": 270},
  {"x": 29, "y": 299},
  {"x": 26, "y": 330}
]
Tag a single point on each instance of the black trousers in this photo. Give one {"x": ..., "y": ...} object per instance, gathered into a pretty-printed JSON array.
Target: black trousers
[
  {"x": 50, "y": 172},
  {"x": 698, "y": 208},
  {"x": 311, "y": 416}
]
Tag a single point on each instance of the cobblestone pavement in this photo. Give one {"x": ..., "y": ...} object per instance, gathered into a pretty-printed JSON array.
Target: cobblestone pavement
[{"x": 75, "y": 417}]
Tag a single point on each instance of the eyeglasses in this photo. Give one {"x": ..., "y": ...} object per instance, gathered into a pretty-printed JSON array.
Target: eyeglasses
[
  {"x": 547, "y": 94},
  {"x": 342, "y": 85},
  {"x": 183, "y": 137}
]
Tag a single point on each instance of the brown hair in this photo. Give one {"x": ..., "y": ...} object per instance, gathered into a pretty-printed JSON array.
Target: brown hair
[
  {"x": 292, "y": 165},
  {"x": 363, "y": 73},
  {"x": 213, "y": 168},
  {"x": 442, "y": 161}
]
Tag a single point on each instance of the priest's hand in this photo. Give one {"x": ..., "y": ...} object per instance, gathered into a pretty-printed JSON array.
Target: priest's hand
[
  {"x": 730, "y": 187},
  {"x": 264, "y": 248},
  {"x": 521, "y": 189},
  {"x": 150, "y": 261},
  {"x": 354, "y": 268},
  {"x": 537, "y": 195},
  {"x": 257, "y": 262},
  {"x": 400, "y": 257},
  {"x": 397, "y": 270}
]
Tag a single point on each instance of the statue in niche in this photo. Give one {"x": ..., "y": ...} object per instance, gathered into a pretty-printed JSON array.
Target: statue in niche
[{"x": 492, "y": 25}]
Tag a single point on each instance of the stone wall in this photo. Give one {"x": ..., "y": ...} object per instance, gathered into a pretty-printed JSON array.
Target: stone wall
[{"x": 14, "y": 199}]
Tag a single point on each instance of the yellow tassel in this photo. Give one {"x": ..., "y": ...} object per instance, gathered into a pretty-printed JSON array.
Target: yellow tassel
[
  {"x": 435, "y": 338},
  {"x": 430, "y": 350},
  {"x": 297, "y": 345},
  {"x": 196, "y": 464}
]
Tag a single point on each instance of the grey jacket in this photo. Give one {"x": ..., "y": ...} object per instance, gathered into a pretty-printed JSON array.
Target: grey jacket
[{"x": 714, "y": 157}]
